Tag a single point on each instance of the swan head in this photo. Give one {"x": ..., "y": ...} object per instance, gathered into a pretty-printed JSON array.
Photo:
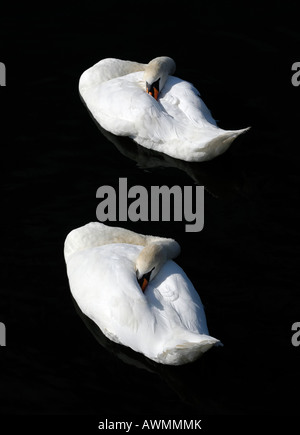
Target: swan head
[
  {"x": 152, "y": 258},
  {"x": 149, "y": 262},
  {"x": 156, "y": 74}
]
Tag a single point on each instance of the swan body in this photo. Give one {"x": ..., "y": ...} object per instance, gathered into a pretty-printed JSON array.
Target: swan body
[
  {"x": 166, "y": 322},
  {"x": 176, "y": 122}
]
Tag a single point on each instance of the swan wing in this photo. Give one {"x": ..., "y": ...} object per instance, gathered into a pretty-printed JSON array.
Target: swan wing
[
  {"x": 184, "y": 96},
  {"x": 181, "y": 302},
  {"x": 103, "y": 283}
]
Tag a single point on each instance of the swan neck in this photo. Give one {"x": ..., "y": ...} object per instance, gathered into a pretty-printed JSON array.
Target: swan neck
[{"x": 170, "y": 247}]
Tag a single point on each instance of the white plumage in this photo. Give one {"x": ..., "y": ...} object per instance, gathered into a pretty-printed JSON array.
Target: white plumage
[
  {"x": 166, "y": 323},
  {"x": 178, "y": 123}
]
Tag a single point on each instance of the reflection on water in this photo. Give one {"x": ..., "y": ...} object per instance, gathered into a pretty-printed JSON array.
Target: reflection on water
[
  {"x": 187, "y": 381},
  {"x": 221, "y": 177}
]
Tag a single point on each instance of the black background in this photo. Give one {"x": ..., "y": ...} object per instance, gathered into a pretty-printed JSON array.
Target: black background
[{"x": 244, "y": 263}]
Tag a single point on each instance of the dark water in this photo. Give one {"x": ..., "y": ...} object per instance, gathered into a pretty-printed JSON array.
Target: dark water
[{"x": 244, "y": 263}]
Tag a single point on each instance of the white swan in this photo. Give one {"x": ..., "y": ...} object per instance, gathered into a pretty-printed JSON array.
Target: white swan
[
  {"x": 119, "y": 94},
  {"x": 127, "y": 284}
]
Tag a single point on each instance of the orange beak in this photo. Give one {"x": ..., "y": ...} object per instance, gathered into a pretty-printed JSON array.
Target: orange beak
[
  {"x": 144, "y": 284},
  {"x": 153, "y": 90},
  {"x": 144, "y": 280}
]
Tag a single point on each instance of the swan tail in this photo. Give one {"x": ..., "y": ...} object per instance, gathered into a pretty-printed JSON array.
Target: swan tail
[
  {"x": 217, "y": 145},
  {"x": 222, "y": 142},
  {"x": 188, "y": 349},
  {"x": 230, "y": 135}
]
